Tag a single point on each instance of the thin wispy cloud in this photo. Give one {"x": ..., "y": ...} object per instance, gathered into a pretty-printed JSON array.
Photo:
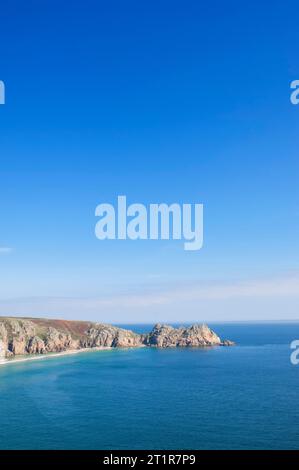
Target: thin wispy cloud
[
  {"x": 169, "y": 302},
  {"x": 5, "y": 250}
]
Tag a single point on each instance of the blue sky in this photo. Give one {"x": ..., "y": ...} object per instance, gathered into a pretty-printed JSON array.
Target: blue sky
[{"x": 164, "y": 102}]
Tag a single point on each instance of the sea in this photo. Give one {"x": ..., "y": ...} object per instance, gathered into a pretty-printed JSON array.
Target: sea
[{"x": 241, "y": 397}]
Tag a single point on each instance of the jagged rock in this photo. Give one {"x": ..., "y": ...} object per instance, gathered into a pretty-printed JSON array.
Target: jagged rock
[
  {"x": 20, "y": 336},
  {"x": 164, "y": 336},
  {"x": 3, "y": 340},
  {"x": 227, "y": 342},
  {"x": 36, "y": 346},
  {"x": 126, "y": 339},
  {"x": 110, "y": 336},
  {"x": 3, "y": 348},
  {"x": 18, "y": 345},
  {"x": 57, "y": 341}
]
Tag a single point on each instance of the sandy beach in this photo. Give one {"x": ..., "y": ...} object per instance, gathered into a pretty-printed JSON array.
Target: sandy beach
[{"x": 5, "y": 362}]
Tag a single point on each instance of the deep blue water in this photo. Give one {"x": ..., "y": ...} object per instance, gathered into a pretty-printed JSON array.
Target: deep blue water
[{"x": 242, "y": 397}]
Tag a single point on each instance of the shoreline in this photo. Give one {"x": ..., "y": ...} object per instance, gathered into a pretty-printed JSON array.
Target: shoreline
[{"x": 5, "y": 362}]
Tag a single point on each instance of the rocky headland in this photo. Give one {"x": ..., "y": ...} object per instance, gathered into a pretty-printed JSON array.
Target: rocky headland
[{"x": 32, "y": 336}]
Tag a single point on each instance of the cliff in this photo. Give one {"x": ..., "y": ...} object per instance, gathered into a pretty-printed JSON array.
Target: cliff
[{"x": 20, "y": 336}]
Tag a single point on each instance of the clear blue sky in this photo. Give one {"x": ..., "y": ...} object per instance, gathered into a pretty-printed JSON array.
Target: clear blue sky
[{"x": 165, "y": 101}]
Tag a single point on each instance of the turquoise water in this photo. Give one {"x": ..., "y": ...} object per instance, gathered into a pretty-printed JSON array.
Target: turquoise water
[{"x": 240, "y": 397}]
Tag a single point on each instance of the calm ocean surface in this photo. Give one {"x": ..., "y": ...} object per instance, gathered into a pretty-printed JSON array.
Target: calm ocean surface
[{"x": 241, "y": 397}]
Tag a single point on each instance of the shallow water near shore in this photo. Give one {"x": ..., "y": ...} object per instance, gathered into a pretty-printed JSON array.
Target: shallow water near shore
[{"x": 240, "y": 397}]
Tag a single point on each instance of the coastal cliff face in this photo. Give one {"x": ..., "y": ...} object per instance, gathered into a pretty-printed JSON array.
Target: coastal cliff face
[
  {"x": 21, "y": 336},
  {"x": 164, "y": 336}
]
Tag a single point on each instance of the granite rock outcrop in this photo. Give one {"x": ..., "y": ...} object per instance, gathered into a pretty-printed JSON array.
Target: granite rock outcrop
[{"x": 21, "y": 336}]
